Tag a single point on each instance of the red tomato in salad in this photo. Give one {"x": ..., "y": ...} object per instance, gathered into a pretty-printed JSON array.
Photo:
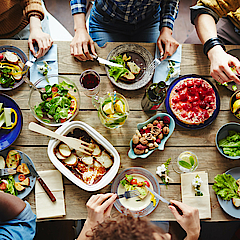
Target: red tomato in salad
[
  {"x": 21, "y": 177},
  {"x": 62, "y": 120},
  {"x": 147, "y": 183},
  {"x": 1, "y": 56},
  {"x": 54, "y": 89},
  {"x": 133, "y": 182},
  {"x": 3, "y": 186}
]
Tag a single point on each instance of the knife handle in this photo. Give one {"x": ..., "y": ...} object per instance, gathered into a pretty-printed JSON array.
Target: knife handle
[
  {"x": 178, "y": 209},
  {"x": 47, "y": 190}
]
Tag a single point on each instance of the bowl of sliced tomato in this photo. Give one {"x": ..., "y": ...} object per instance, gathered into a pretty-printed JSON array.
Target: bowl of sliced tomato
[{"x": 56, "y": 102}]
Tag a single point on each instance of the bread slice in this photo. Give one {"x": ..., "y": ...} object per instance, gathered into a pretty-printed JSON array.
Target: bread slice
[
  {"x": 143, "y": 192},
  {"x": 134, "y": 68},
  {"x": 23, "y": 169},
  {"x": 13, "y": 159},
  {"x": 18, "y": 186},
  {"x": 128, "y": 75},
  {"x": 25, "y": 182},
  {"x": 2, "y": 162},
  {"x": 236, "y": 202}
]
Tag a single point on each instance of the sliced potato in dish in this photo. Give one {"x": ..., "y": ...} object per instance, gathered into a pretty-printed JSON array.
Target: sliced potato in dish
[
  {"x": 2, "y": 162},
  {"x": 64, "y": 150},
  {"x": 59, "y": 155},
  {"x": 236, "y": 202},
  {"x": 81, "y": 154},
  {"x": 105, "y": 160},
  {"x": 87, "y": 160},
  {"x": 23, "y": 169},
  {"x": 71, "y": 160},
  {"x": 13, "y": 159},
  {"x": 96, "y": 150}
]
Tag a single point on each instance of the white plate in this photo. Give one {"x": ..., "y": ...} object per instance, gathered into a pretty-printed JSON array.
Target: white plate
[{"x": 107, "y": 178}]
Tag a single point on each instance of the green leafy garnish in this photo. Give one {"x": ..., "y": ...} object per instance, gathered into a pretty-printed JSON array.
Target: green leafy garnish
[
  {"x": 225, "y": 186},
  {"x": 185, "y": 164}
]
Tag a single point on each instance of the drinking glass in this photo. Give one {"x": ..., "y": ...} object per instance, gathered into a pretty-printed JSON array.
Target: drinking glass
[
  {"x": 90, "y": 82},
  {"x": 186, "y": 162},
  {"x": 113, "y": 109}
]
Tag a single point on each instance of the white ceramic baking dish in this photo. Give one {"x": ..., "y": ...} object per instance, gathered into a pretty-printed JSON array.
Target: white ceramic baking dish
[{"x": 107, "y": 178}]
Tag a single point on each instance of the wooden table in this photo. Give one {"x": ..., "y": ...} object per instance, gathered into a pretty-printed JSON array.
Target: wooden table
[{"x": 201, "y": 142}]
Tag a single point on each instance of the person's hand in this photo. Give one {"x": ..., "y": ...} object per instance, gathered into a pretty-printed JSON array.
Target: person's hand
[
  {"x": 99, "y": 207},
  {"x": 166, "y": 43},
  {"x": 189, "y": 220},
  {"x": 220, "y": 62},
  {"x": 43, "y": 40},
  {"x": 81, "y": 44}
]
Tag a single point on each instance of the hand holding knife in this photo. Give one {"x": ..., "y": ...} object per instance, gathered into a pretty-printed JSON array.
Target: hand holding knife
[
  {"x": 164, "y": 200},
  {"x": 40, "y": 180}
]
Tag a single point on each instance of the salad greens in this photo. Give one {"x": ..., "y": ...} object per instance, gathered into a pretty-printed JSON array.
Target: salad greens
[
  {"x": 117, "y": 72},
  {"x": 57, "y": 103},
  {"x": 225, "y": 186},
  {"x": 10, "y": 186},
  {"x": 231, "y": 144},
  {"x": 6, "y": 79}
]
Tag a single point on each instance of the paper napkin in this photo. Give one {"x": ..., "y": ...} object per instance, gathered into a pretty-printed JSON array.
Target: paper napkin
[
  {"x": 162, "y": 70},
  {"x": 51, "y": 59},
  {"x": 202, "y": 203},
  {"x": 45, "y": 208}
]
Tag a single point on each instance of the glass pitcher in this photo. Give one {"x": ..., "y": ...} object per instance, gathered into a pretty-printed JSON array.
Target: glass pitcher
[{"x": 113, "y": 109}]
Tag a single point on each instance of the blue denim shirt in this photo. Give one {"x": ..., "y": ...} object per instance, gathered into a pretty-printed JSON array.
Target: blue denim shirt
[{"x": 133, "y": 11}]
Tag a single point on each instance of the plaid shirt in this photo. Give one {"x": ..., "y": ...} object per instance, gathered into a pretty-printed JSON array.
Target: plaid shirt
[{"x": 133, "y": 11}]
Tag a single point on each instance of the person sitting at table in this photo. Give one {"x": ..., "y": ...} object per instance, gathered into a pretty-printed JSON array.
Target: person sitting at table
[
  {"x": 205, "y": 14},
  {"x": 17, "y": 221},
  {"x": 22, "y": 20},
  {"x": 99, "y": 225},
  {"x": 124, "y": 21}
]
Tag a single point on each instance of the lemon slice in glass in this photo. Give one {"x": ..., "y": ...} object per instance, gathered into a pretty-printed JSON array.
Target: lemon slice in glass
[
  {"x": 108, "y": 108},
  {"x": 236, "y": 105},
  {"x": 119, "y": 107}
]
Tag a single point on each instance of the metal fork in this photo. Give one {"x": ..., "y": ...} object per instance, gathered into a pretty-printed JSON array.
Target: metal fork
[
  {"x": 156, "y": 62},
  {"x": 129, "y": 194}
]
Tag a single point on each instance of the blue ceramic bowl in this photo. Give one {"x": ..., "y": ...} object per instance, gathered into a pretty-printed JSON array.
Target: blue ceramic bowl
[
  {"x": 131, "y": 153},
  {"x": 9, "y": 136},
  {"x": 223, "y": 133}
]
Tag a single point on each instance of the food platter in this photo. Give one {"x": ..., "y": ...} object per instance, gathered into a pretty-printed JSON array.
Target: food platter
[
  {"x": 32, "y": 179},
  {"x": 23, "y": 57},
  {"x": 140, "y": 209},
  {"x": 141, "y": 56},
  {"x": 178, "y": 122},
  {"x": 228, "y": 206},
  {"x": 8, "y": 136},
  {"x": 235, "y": 53}
]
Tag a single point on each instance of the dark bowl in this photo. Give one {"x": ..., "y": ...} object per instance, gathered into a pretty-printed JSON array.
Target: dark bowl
[{"x": 223, "y": 133}]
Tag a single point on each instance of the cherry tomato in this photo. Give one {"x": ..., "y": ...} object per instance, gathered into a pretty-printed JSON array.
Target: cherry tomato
[
  {"x": 140, "y": 184},
  {"x": 62, "y": 120},
  {"x": 54, "y": 89},
  {"x": 1, "y": 56},
  {"x": 147, "y": 183},
  {"x": 133, "y": 182},
  {"x": 21, "y": 177},
  {"x": 3, "y": 186}
]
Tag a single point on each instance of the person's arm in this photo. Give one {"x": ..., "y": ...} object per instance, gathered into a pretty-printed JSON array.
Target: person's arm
[
  {"x": 220, "y": 60},
  {"x": 166, "y": 43},
  {"x": 82, "y": 43},
  {"x": 10, "y": 206},
  {"x": 34, "y": 13},
  {"x": 43, "y": 40},
  {"x": 99, "y": 208},
  {"x": 189, "y": 221}
]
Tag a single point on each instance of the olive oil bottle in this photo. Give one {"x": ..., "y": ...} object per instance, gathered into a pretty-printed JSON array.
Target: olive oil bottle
[{"x": 154, "y": 96}]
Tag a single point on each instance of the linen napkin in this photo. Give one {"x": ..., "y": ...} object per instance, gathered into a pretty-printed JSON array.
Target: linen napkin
[
  {"x": 162, "y": 70},
  {"x": 202, "y": 203},
  {"x": 51, "y": 59},
  {"x": 45, "y": 208}
]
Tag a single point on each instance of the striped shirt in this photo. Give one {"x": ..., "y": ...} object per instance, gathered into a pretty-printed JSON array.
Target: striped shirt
[{"x": 133, "y": 11}]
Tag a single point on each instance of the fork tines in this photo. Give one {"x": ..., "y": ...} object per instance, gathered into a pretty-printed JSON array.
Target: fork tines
[{"x": 129, "y": 194}]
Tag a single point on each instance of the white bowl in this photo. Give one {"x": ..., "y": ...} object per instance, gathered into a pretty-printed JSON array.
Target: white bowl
[{"x": 107, "y": 178}]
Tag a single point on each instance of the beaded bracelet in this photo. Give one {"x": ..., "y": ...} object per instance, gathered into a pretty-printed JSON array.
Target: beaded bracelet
[{"x": 212, "y": 42}]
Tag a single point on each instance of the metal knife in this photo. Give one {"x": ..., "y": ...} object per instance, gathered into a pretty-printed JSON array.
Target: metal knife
[
  {"x": 40, "y": 180},
  {"x": 7, "y": 171},
  {"x": 106, "y": 62},
  {"x": 163, "y": 199}
]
